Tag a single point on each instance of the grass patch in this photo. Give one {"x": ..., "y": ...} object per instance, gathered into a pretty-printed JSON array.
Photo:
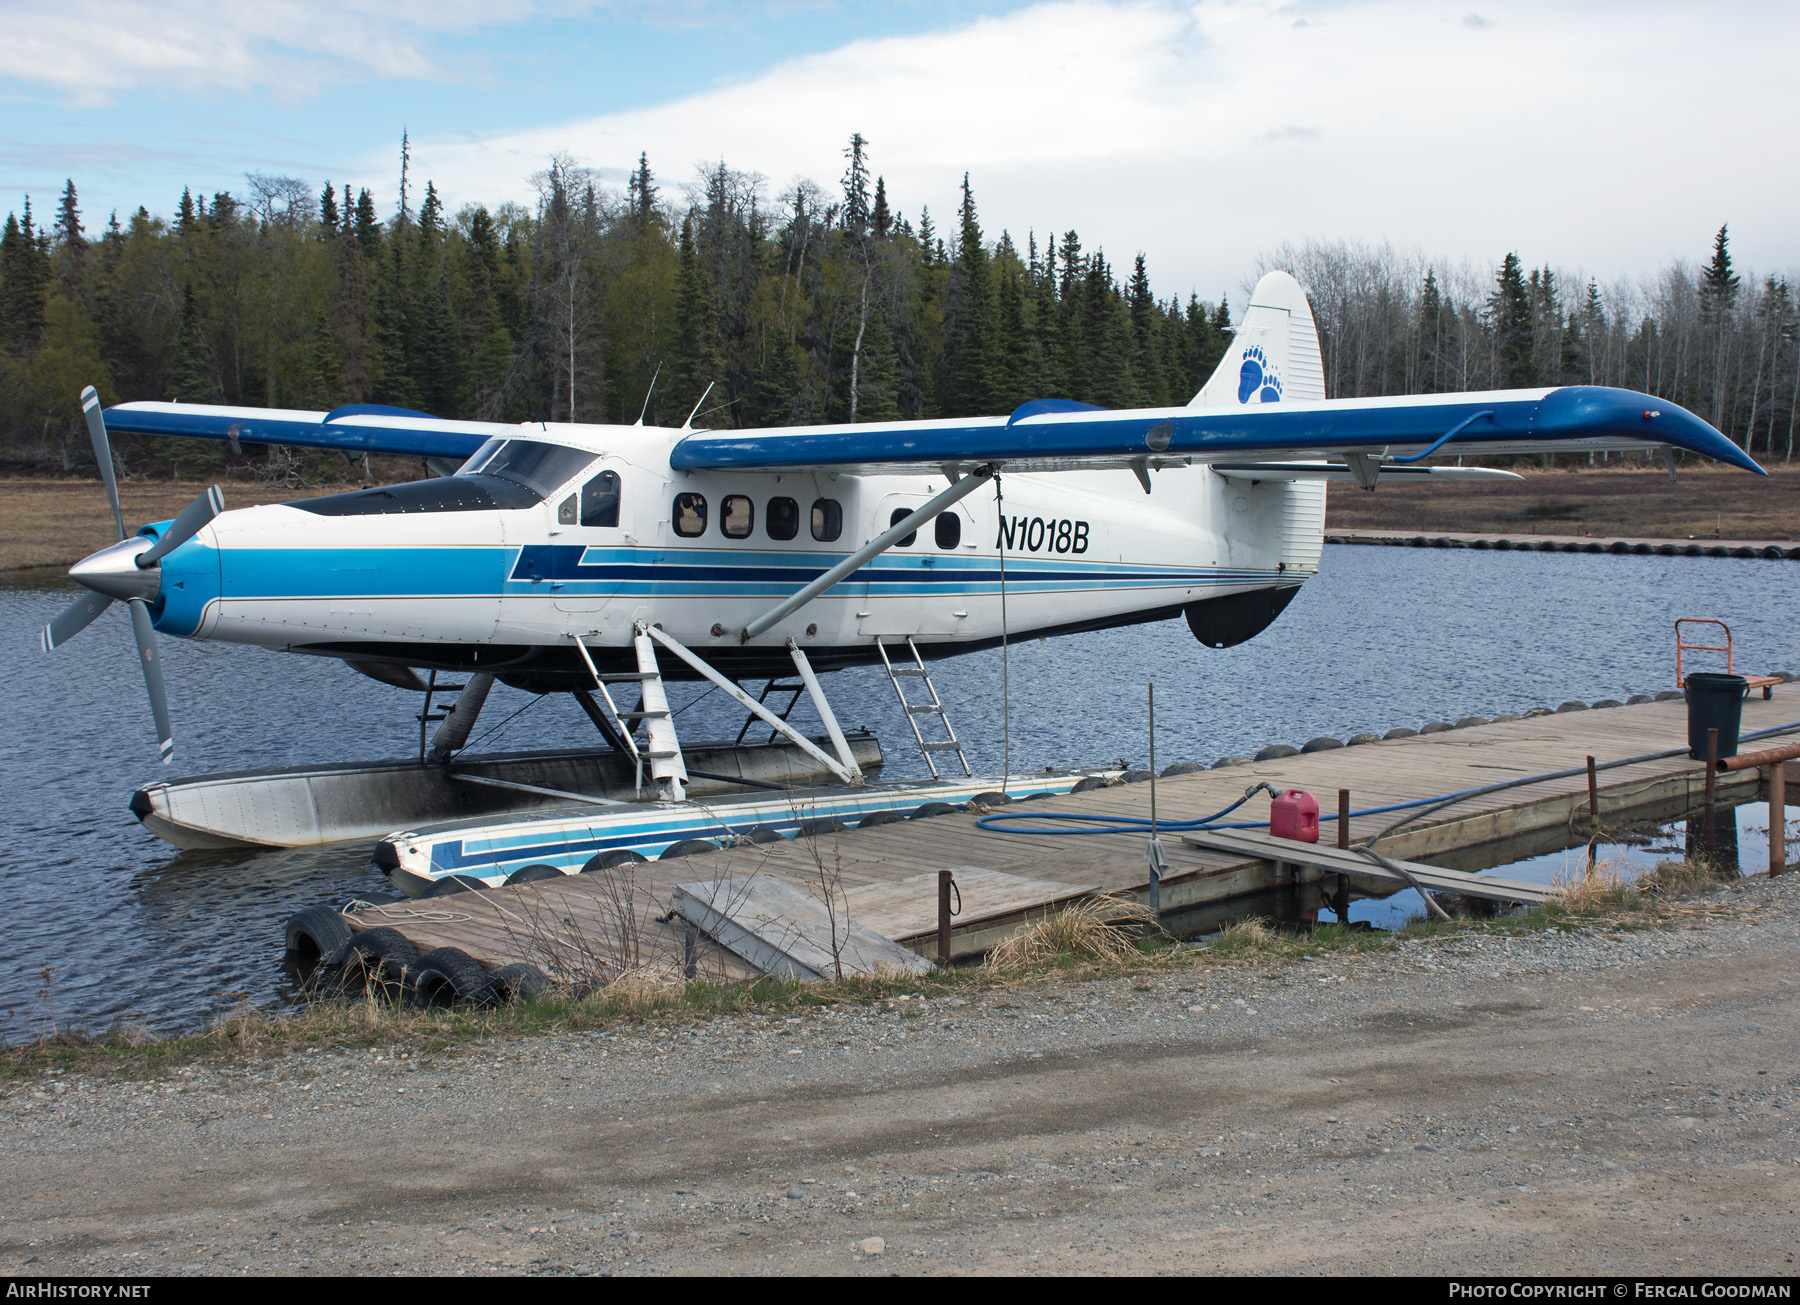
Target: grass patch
[{"x": 1103, "y": 928}]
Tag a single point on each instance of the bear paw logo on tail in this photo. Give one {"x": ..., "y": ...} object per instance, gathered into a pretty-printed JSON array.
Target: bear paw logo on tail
[{"x": 1257, "y": 378}]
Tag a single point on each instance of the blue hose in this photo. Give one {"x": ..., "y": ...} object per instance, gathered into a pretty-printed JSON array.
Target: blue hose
[{"x": 1141, "y": 824}]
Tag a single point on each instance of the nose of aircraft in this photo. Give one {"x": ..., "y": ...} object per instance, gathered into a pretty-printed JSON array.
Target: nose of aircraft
[{"x": 115, "y": 571}]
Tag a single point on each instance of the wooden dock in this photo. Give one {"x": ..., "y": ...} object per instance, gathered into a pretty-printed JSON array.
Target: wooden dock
[{"x": 592, "y": 927}]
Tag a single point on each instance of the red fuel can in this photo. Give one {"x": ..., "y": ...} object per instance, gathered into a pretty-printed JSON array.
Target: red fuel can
[{"x": 1295, "y": 815}]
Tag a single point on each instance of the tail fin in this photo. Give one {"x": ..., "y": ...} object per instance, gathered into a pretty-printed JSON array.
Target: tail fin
[{"x": 1274, "y": 357}]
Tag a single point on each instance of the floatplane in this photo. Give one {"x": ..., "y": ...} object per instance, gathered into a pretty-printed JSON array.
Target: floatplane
[{"x": 601, "y": 559}]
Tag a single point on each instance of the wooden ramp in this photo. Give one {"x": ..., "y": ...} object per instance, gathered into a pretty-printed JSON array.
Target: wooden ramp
[
  {"x": 781, "y": 929},
  {"x": 1341, "y": 861},
  {"x": 889, "y": 873}
]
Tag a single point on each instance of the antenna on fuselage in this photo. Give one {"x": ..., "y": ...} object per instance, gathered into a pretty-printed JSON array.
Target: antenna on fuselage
[
  {"x": 648, "y": 394},
  {"x": 689, "y": 423}
]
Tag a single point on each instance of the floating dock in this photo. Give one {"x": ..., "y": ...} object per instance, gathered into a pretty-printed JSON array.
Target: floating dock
[{"x": 590, "y": 927}]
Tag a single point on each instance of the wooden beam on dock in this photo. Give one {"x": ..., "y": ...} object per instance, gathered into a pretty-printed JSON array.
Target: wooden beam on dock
[{"x": 1331, "y": 860}]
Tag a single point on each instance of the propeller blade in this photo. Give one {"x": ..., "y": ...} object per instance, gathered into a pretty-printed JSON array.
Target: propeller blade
[
  {"x": 153, "y": 676},
  {"x": 96, "y": 424},
  {"x": 74, "y": 618},
  {"x": 192, "y": 521}
]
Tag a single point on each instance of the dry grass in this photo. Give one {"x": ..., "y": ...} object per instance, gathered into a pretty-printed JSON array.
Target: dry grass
[
  {"x": 1696, "y": 874},
  {"x": 1247, "y": 938},
  {"x": 1104, "y": 929},
  {"x": 1597, "y": 887}
]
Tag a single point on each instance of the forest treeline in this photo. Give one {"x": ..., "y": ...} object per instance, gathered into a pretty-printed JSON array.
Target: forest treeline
[{"x": 803, "y": 307}]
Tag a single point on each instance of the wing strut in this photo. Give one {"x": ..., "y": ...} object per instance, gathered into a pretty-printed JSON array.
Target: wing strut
[{"x": 959, "y": 489}]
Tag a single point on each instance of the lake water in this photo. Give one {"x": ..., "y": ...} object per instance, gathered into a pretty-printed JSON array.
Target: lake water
[{"x": 106, "y": 920}]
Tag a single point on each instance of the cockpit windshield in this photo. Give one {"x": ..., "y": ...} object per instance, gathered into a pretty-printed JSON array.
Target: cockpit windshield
[{"x": 540, "y": 467}]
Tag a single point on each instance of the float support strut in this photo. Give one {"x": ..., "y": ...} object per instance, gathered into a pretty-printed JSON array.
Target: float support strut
[{"x": 457, "y": 726}]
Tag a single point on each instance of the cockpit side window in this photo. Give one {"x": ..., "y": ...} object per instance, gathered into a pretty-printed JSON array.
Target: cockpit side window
[
  {"x": 600, "y": 500},
  {"x": 480, "y": 456}
]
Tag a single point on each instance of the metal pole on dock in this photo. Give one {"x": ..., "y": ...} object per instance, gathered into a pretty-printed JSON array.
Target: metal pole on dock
[
  {"x": 1712, "y": 769},
  {"x": 1340, "y": 902},
  {"x": 1153, "y": 851},
  {"x": 1778, "y": 817},
  {"x": 944, "y": 879}
]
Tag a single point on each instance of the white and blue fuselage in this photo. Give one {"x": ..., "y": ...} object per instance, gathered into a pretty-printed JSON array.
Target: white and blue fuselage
[{"x": 465, "y": 573}]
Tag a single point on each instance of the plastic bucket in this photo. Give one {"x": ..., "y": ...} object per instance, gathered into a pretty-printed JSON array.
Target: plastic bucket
[{"x": 1715, "y": 702}]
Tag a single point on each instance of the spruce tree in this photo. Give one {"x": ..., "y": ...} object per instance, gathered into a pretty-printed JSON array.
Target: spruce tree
[
  {"x": 328, "y": 209},
  {"x": 1718, "y": 283},
  {"x": 367, "y": 226},
  {"x": 193, "y": 376},
  {"x": 856, "y": 188},
  {"x": 641, "y": 193},
  {"x": 24, "y": 282},
  {"x": 71, "y": 243},
  {"x": 184, "y": 212},
  {"x": 1510, "y": 314},
  {"x": 1146, "y": 364},
  {"x": 880, "y": 220},
  {"x": 967, "y": 387},
  {"x": 697, "y": 362}
]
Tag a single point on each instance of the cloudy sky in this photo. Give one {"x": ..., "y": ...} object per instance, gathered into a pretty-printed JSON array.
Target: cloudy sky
[{"x": 1596, "y": 136}]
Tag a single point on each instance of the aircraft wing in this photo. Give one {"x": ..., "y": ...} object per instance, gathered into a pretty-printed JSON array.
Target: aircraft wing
[
  {"x": 354, "y": 429},
  {"x": 1057, "y": 435}
]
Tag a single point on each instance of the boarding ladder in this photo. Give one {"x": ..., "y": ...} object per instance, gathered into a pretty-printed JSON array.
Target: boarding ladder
[
  {"x": 662, "y": 748},
  {"x": 934, "y": 708}
]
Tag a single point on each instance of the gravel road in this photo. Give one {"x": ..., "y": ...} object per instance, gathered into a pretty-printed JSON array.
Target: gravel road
[{"x": 1554, "y": 1103}]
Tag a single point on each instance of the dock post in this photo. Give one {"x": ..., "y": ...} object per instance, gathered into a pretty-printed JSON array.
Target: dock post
[
  {"x": 1593, "y": 792},
  {"x": 1712, "y": 769},
  {"x": 1340, "y": 901},
  {"x": 944, "y": 882},
  {"x": 1778, "y": 817}
]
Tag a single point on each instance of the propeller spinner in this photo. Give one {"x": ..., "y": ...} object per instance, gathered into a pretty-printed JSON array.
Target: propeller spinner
[{"x": 129, "y": 570}]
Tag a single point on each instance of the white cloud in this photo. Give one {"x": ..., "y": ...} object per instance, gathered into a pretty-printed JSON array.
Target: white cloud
[
  {"x": 91, "y": 51},
  {"x": 1575, "y": 134}
]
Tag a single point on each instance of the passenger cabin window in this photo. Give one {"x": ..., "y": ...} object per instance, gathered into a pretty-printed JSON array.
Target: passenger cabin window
[
  {"x": 827, "y": 520},
  {"x": 783, "y": 521},
  {"x": 690, "y": 515},
  {"x": 600, "y": 500},
  {"x": 736, "y": 516},
  {"x": 949, "y": 530},
  {"x": 895, "y": 518}
]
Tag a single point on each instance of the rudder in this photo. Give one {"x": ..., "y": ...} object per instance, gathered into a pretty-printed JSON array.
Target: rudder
[{"x": 1274, "y": 357}]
